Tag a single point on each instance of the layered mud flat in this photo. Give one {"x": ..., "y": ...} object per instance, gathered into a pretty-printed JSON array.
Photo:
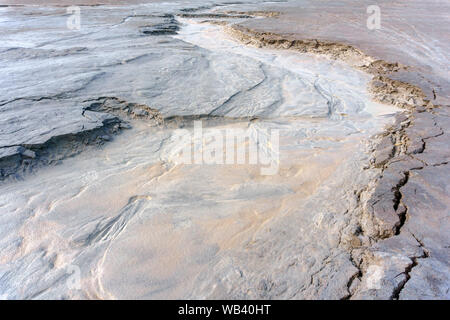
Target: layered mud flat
[{"x": 120, "y": 216}]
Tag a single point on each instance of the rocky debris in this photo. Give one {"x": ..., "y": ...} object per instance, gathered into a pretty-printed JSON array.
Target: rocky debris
[
  {"x": 334, "y": 50},
  {"x": 398, "y": 93},
  {"x": 254, "y": 13},
  {"x": 409, "y": 207},
  {"x": 382, "y": 67},
  {"x": 124, "y": 109}
]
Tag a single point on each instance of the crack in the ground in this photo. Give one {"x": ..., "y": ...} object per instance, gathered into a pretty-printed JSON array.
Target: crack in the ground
[
  {"x": 414, "y": 262},
  {"x": 398, "y": 200},
  {"x": 385, "y": 90},
  {"x": 358, "y": 275}
]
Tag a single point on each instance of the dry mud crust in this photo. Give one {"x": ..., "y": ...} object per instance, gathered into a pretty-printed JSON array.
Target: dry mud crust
[
  {"x": 124, "y": 109},
  {"x": 398, "y": 93},
  {"x": 58, "y": 139},
  {"x": 19, "y": 160},
  {"x": 332, "y": 49},
  {"x": 401, "y": 250},
  {"x": 168, "y": 26},
  {"x": 254, "y": 13},
  {"x": 405, "y": 214},
  {"x": 214, "y": 15},
  {"x": 382, "y": 88}
]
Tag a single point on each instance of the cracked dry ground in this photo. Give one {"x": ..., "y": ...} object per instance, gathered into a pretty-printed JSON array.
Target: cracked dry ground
[
  {"x": 401, "y": 243},
  {"x": 405, "y": 214}
]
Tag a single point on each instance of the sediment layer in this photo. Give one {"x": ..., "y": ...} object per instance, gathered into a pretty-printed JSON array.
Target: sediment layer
[{"x": 99, "y": 121}]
